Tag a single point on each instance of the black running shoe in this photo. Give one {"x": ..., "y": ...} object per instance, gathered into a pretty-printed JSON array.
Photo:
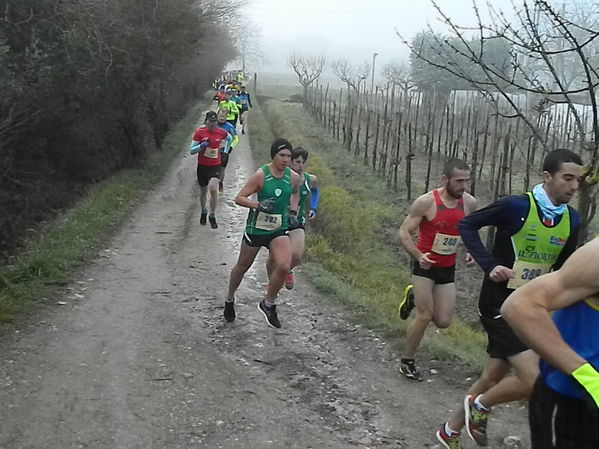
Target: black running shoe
[
  {"x": 270, "y": 313},
  {"x": 203, "y": 217},
  {"x": 229, "y": 312},
  {"x": 408, "y": 369},
  {"x": 213, "y": 223},
  {"x": 407, "y": 302}
]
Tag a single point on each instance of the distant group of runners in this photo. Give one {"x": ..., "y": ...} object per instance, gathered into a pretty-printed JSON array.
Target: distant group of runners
[
  {"x": 528, "y": 274},
  {"x": 281, "y": 197}
]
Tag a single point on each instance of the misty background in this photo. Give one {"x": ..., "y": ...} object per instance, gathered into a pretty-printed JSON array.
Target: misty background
[{"x": 353, "y": 30}]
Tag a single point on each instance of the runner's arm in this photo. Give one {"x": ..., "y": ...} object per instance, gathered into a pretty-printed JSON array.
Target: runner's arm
[
  {"x": 250, "y": 100},
  {"x": 314, "y": 197},
  {"x": 572, "y": 241},
  {"x": 496, "y": 214},
  {"x": 228, "y": 143},
  {"x": 253, "y": 185},
  {"x": 294, "y": 200},
  {"x": 527, "y": 310},
  {"x": 417, "y": 212}
]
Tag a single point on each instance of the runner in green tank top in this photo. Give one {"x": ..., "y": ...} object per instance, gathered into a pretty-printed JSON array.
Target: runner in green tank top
[
  {"x": 268, "y": 223},
  {"x": 308, "y": 200}
]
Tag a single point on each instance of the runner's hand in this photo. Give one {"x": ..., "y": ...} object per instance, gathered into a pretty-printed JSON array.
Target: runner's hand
[
  {"x": 501, "y": 274},
  {"x": 292, "y": 219},
  {"x": 205, "y": 143},
  {"x": 587, "y": 378},
  {"x": 424, "y": 261},
  {"x": 312, "y": 214},
  {"x": 469, "y": 260},
  {"x": 266, "y": 205}
]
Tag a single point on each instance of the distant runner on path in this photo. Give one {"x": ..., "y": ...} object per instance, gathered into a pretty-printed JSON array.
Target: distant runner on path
[{"x": 206, "y": 142}]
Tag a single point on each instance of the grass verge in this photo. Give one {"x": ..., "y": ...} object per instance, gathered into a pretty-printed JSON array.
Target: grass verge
[
  {"x": 51, "y": 259},
  {"x": 351, "y": 249}
]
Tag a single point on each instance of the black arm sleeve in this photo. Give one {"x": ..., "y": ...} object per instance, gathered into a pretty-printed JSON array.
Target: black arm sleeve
[{"x": 572, "y": 241}]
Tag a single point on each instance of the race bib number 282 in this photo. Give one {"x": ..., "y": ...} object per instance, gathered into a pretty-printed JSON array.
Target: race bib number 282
[{"x": 268, "y": 222}]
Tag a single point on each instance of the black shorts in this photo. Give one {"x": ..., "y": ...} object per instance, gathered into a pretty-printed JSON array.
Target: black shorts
[
  {"x": 439, "y": 275},
  {"x": 502, "y": 341},
  {"x": 301, "y": 226},
  {"x": 256, "y": 241},
  {"x": 560, "y": 422},
  {"x": 205, "y": 173}
]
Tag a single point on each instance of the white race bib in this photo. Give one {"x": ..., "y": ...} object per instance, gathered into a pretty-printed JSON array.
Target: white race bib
[
  {"x": 268, "y": 222},
  {"x": 211, "y": 153},
  {"x": 445, "y": 244},
  {"x": 525, "y": 272}
]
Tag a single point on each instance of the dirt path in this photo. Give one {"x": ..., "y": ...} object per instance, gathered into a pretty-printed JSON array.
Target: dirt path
[{"x": 140, "y": 356}]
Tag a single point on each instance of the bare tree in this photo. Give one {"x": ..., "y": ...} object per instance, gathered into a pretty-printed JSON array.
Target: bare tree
[
  {"x": 248, "y": 42},
  {"x": 541, "y": 39},
  {"x": 308, "y": 68},
  {"x": 397, "y": 73},
  {"x": 351, "y": 75}
]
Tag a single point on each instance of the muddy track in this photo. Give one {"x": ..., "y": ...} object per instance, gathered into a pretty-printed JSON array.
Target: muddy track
[{"x": 140, "y": 356}]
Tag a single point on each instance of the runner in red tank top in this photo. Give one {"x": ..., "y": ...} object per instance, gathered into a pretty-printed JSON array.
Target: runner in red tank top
[
  {"x": 436, "y": 215},
  {"x": 440, "y": 236}
]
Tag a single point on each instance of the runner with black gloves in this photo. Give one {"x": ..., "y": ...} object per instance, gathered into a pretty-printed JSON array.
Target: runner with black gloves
[{"x": 268, "y": 223}]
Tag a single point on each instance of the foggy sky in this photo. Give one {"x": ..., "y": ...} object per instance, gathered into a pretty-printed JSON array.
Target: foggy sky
[{"x": 349, "y": 28}]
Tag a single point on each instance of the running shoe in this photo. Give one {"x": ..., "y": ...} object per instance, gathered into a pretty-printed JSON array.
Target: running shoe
[
  {"x": 408, "y": 369},
  {"x": 476, "y": 421},
  {"x": 407, "y": 302},
  {"x": 203, "y": 217},
  {"x": 448, "y": 442},
  {"x": 229, "y": 312},
  {"x": 213, "y": 223},
  {"x": 270, "y": 314},
  {"x": 289, "y": 281},
  {"x": 243, "y": 131}
]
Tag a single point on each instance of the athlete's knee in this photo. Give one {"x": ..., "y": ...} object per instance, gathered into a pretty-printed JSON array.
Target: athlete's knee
[
  {"x": 283, "y": 267},
  {"x": 424, "y": 315},
  {"x": 242, "y": 267},
  {"x": 527, "y": 381},
  {"x": 442, "y": 323},
  {"x": 489, "y": 379}
]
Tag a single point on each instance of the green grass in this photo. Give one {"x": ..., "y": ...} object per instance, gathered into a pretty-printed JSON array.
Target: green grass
[
  {"x": 352, "y": 251},
  {"x": 52, "y": 258}
]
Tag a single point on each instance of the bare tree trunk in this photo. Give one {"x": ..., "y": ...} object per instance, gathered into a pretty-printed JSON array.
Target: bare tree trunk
[{"x": 409, "y": 158}]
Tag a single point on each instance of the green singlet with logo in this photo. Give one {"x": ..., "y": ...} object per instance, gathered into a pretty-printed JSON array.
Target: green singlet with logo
[
  {"x": 537, "y": 246},
  {"x": 261, "y": 223},
  {"x": 304, "y": 189}
]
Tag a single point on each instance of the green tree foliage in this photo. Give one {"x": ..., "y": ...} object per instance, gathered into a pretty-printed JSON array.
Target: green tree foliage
[{"x": 90, "y": 86}]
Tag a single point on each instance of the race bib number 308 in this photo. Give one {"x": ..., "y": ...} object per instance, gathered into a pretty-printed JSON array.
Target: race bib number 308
[
  {"x": 525, "y": 272},
  {"x": 445, "y": 244},
  {"x": 268, "y": 222}
]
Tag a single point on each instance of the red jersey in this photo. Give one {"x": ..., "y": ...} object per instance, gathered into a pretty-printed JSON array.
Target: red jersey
[
  {"x": 209, "y": 156},
  {"x": 440, "y": 236}
]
